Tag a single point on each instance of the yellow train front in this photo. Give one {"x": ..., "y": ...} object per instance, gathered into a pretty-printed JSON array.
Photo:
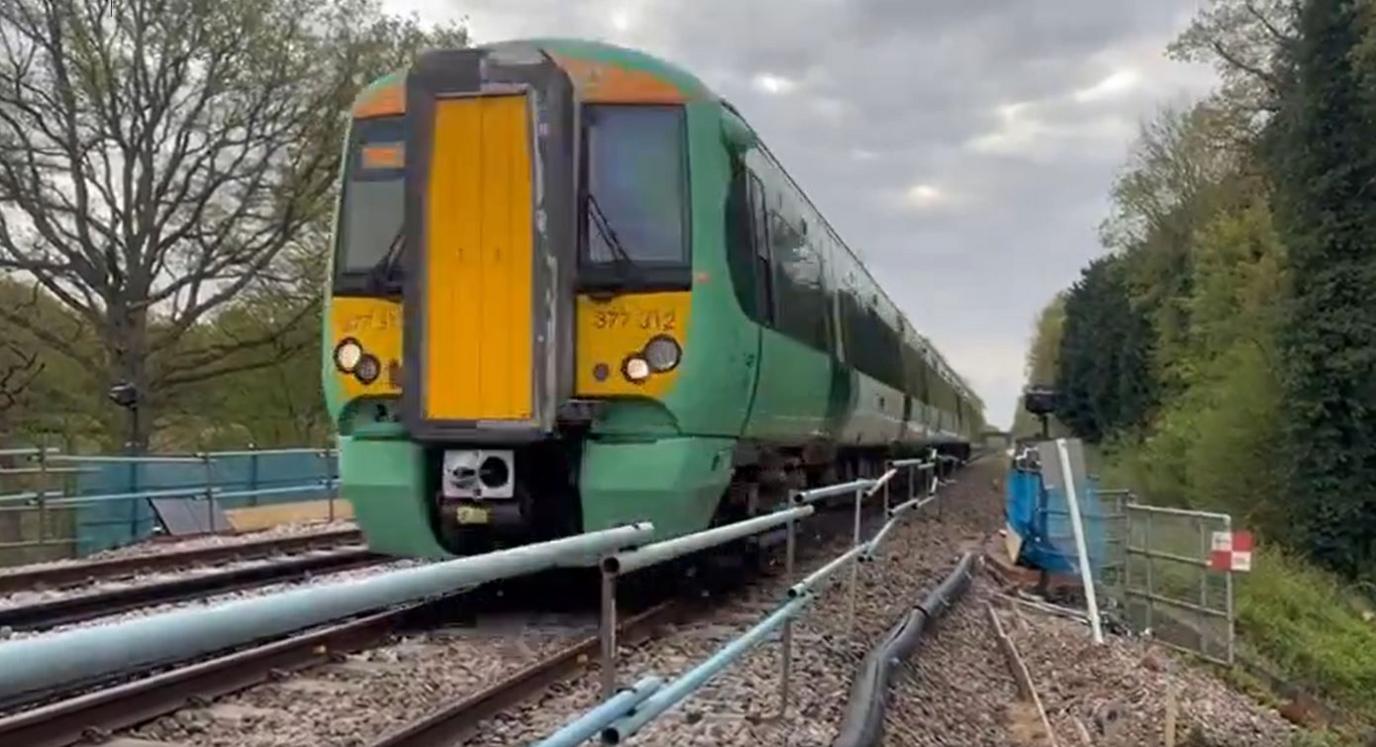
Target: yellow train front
[{"x": 571, "y": 289}]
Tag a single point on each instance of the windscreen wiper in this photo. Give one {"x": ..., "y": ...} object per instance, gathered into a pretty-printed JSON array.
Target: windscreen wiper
[
  {"x": 609, "y": 237},
  {"x": 381, "y": 273}
]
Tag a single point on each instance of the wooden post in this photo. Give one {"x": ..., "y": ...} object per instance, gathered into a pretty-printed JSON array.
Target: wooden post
[
  {"x": 1170, "y": 713},
  {"x": 1027, "y": 690}
]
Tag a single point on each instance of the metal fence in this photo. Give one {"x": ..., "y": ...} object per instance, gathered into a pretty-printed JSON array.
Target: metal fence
[
  {"x": 1168, "y": 586},
  {"x": 1149, "y": 565},
  {"x": 56, "y": 505},
  {"x": 623, "y": 713}
]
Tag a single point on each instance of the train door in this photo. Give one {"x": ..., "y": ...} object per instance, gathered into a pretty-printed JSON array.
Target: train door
[
  {"x": 751, "y": 270},
  {"x": 794, "y": 384}
]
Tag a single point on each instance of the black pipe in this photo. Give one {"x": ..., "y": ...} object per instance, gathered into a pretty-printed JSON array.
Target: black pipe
[{"x": 863, "y": 724}]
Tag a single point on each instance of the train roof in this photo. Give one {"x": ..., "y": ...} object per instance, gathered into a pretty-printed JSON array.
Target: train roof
[{"x": 564, "y": 50}]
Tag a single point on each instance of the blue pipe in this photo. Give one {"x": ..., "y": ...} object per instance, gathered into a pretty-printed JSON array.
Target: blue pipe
[
  {"x": 592, "y": 723},
  {"x": 58, "y": 660},
  {"x": 672, "y": 694}
]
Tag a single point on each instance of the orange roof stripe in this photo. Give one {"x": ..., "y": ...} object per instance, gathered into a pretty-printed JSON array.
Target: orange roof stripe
[
  {"x": 381, "y": 101},
  {"x": 602, "y": 82}
]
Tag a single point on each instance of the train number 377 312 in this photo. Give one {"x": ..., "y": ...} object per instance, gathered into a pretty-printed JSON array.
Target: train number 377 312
[{"x": 646, "y": 319}]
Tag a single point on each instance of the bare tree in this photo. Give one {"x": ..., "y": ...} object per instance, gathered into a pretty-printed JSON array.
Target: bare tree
[
  {"x": 18, "y": 369},
  {"x": 1243, "y": 39},
  {"x": 158, "y": 156}
]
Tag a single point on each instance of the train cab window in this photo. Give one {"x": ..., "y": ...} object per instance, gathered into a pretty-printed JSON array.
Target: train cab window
[
  {"x": 764, "y": 269},
  {"x": 635, "y": 225},
  {"x": 747, "y": 237},
  {"x": 370, "y": 219}
]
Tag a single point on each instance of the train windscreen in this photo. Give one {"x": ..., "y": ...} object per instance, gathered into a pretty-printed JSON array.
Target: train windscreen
[
  {"x": 370, "y": 230},
  {"x": 636, "y": 187}
]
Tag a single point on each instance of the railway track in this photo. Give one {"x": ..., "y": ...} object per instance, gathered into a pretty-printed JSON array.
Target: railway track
[
  {"x": 74, "y": 574},
  {"x": 131, "y": 703},
  {"x": 104, "y": 711},
  {"x": 456, "y": 719},
  {"x": 81, "y": 607}
]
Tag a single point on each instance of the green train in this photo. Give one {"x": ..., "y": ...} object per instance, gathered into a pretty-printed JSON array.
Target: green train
[{"x": 572, "y": 289}]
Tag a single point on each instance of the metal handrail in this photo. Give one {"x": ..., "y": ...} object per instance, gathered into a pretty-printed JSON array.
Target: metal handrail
[
  {"x": 108, "y": 459},
  {"x": 322, "y": 451},
  {"x": 52, "y": 494},
  {"x": 883, "y": 481},
  {"x": 622, "y": 714},
  {"x": 592, "y": 723},
  {"x": 196, "y": 492},
  {"x": 809, "y": 584},
  {"x": 671, "y": 694},
  {"x": 659, "y": 552},
  {"x": 46, "y": 471},
  {"x": 831, "y": 491},
  {"x": 29, "y": 451},
  {"x": 1178, "y": 512}
]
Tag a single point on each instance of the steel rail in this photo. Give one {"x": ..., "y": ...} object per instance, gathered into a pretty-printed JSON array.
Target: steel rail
[
  {"x": 452, "y": 721},
  {"x": 78, "y": 573},
  {"x": 130, "y": 703},
  {"x": 100, "y": 603}
]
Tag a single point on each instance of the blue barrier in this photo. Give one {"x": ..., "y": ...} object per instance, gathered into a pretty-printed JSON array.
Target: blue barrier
[
  {"x": 110, "y": 494},
  {"x": 1041, "y": 517}
]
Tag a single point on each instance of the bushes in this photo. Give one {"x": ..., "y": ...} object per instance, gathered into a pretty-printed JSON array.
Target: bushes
[{"x": 1311, "y": 626}]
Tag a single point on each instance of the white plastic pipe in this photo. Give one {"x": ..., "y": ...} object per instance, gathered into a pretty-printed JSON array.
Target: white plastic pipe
[{"x": 1078, "y": 527}]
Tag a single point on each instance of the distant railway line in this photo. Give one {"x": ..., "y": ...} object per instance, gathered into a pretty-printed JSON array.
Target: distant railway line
[
  {"x": 74, "y": 574},
  {"x": 101, "y": 602}
]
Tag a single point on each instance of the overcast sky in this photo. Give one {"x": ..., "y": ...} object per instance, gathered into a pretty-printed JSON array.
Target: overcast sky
[{"x": 963, "y": 148}]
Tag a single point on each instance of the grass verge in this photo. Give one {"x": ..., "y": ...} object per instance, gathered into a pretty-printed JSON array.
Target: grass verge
[{"x": 1314, "y": 631}]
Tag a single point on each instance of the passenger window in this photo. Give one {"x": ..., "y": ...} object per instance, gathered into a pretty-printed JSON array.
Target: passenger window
[{"x": 802, "y": 300}]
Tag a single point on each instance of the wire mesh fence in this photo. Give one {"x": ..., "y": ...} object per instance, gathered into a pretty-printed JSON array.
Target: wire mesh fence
[{"x": 1168, "y": 585}]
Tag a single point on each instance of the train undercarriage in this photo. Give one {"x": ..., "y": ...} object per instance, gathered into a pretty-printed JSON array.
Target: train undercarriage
[{"x": 481, "y": 499}]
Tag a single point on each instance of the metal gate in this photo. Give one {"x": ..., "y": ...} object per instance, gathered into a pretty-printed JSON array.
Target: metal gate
[{"x": 1168, "y": 586}]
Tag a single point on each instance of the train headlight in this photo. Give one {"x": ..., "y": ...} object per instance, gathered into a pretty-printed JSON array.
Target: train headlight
[
  {"x": 347, "y": 355},
  {"x": 663, "y": 353},
  {"x": 636, "y": 369},
  {"x": 368, "y": 369}
]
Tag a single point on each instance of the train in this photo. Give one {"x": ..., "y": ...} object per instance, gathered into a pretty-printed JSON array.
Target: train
[{"x": 571, "y": 288}]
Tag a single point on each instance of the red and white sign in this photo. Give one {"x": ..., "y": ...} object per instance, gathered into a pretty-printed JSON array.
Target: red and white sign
[{"x": 1232, "y": 551}]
